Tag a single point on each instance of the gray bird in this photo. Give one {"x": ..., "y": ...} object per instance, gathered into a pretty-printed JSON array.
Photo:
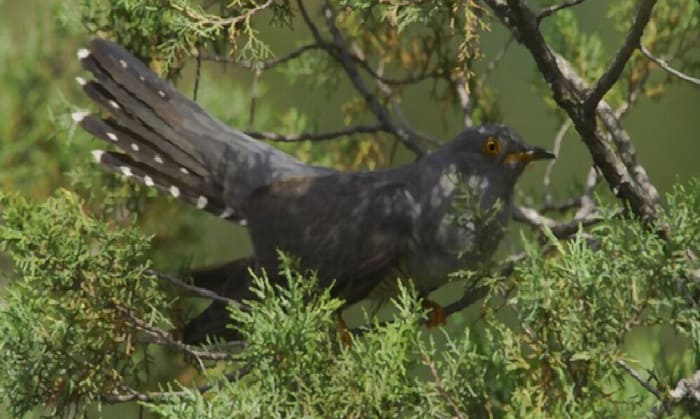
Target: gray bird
[{"x": 358, "y": 230}]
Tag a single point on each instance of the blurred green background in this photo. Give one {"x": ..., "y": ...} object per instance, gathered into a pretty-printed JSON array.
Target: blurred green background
[{"x": 38, "y": 41}]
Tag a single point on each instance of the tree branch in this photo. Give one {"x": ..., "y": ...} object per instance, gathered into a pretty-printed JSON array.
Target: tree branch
[
  {"x": 438, "y": 385},
  {"x": 609, "y": 78},
  {"x": 318, "y": 136},
  {"x": 202, "y": 292},
  {"x": 338, "y": 50},
  {"x": 550, "y": 10},
  {"x": 569, "y": 96},
  {"x": 163, "y": 338},
  {"x": 667, "y": 67},
  {"x": 638, "y": 377}
]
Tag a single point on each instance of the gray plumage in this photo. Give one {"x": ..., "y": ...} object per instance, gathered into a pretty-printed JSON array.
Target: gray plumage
[{"x": 355, "y": 228}]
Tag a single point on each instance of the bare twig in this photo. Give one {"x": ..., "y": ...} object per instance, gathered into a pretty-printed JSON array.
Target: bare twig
[
  {"x": 339, "y": 50},
  {"x": 400, "y": 116},
  {"x": 667, "y": 67},
  {"x": 563, "y": 129},
  {"x": 650, "y": 388},
  {"x": 550, "y": 10},
  {"x": 197, "y": 77},
  {"x": 491, "y": 66},
  {"x": 438, "y": 385},
  {"x": 623, "y": 55},
  {"x": 203, "y": 292},
  {"x": 318, "y": 136},
  {"x": 163, "y": 338}
]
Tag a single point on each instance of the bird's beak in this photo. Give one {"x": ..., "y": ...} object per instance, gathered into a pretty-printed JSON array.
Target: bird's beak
[
  {"x": 539, "y": 153},
  {"x": 525, "y": 157}
]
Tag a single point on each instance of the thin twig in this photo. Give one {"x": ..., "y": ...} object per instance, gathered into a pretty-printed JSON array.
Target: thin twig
[
  {"x": 665, "y": 66},
  {"x": 203, "y": 292},
  {"x": 318, "y": 136},
  {"x": 161, "y": 337},
  {"x": 547, "y": 179},
  {"x": 491, "y": 66},
  {"x": 197, "y": 76},
  {"x": 341, "y": 53},
  {"x": 638, "y": 377},
  {"x": 438, "y": 385},
  {"x": 566, "y": 87},
  {"x": 550, "y": 10}
]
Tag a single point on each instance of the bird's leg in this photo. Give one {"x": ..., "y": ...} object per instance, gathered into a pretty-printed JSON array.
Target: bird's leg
[
  {"x": 345, "y": 334},
  {"x": 436, "y": 314}
]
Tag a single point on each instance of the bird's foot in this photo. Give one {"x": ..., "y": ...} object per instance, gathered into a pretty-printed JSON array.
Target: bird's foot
[{"x": 436, "y": 314}]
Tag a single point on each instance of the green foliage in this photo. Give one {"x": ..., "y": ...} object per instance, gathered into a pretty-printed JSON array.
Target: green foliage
[
  {"x": 548, "y": 344},
  {"x": 173, "y": 30},
  {"x": 65, "y": 324}
]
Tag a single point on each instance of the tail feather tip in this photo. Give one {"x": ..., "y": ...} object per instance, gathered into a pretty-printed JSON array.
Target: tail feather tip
[
  {"x": 97, "y": 155},
  {"x": 78, "y": 116}
]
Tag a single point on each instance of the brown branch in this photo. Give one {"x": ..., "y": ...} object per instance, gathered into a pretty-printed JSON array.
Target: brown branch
[
  {"x": 650, "y": 388},
  {"x": 339, "y": 50},
  {"x": 203, "y": 292},
  {"x": 438, "y": 385},
  {"x": 550, "y": 10},
  {"x": 491, "y": 66},
  {"x": 163, "y": 338},
  {"x": 318, "y": 136},
  {"x": 609, "y": 78},
  {"x": 546, "y": 180},
  {"x": 409, "y": 79},
  {"x": 667, "y": 67},
  {"x": 561, "y": 80}
]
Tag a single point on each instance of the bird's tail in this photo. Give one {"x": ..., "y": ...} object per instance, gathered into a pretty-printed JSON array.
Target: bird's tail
[{"x": 168, "y": 140}]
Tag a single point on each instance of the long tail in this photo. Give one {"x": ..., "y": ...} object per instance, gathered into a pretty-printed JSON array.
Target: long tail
[{"x": 169, "y": 142}]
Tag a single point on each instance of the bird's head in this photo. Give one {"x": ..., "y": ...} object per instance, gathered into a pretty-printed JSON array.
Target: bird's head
[{"x": 493, "y": 149}]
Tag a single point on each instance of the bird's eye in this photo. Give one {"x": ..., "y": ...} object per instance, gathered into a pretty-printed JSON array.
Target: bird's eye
[{"x": 491, "y": 147}]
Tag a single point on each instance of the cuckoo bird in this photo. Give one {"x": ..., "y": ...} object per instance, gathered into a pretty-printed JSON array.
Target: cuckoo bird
[{"x": 357, "y": 230}]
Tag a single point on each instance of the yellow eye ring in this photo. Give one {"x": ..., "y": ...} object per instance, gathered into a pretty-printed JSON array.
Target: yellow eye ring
[{"x": 491, "y": 147}]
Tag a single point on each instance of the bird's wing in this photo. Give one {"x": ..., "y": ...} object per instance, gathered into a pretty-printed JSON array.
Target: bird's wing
[
  {"x": 350, "y": 227},
  {"x": 173, "y": 139}
]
